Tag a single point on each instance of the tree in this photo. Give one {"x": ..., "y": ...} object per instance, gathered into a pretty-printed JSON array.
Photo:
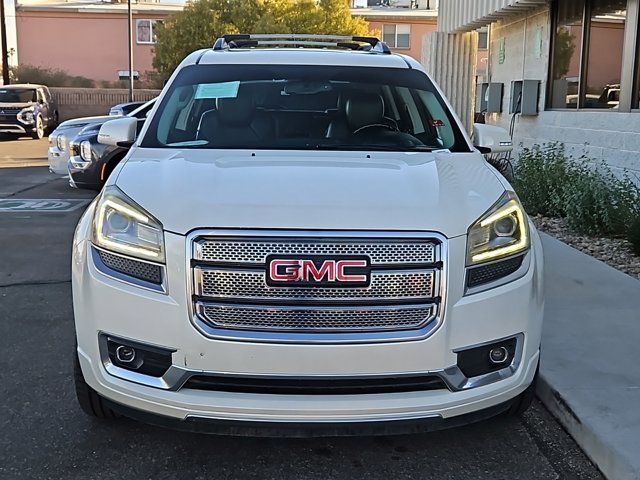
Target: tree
[
  {"x": 564, "y": 48},
  {"x": 202, "y": 21}
]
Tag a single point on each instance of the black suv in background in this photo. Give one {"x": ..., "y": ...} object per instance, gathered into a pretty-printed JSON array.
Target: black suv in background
[
  {"x": 27, "y": 109},
  {"x": 90, "y": 162}
]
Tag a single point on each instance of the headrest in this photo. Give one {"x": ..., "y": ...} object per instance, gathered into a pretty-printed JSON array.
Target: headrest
[
  {"x": 364, "y": 109},
  {"x": 235, "y": 112}
]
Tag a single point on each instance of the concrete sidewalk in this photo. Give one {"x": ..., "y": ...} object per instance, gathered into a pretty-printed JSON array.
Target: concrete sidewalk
[{"x": 590, "y": 372}]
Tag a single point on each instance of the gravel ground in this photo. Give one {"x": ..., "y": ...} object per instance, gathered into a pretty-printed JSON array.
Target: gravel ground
[{"x": 615, "y": 252}]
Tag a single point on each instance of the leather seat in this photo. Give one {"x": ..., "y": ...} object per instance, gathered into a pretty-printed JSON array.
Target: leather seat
[
  {"x": 234, "y": 123},
  {"x": 357, "y": 109},
  {"x": 364, "y": 109}
]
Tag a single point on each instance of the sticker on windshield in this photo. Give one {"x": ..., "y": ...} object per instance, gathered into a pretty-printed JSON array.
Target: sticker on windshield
[{"x": 217, "y": 90}]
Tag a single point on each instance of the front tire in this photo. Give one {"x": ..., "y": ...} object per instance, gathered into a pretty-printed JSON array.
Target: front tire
[
  {"x": 523, "y": 401},
  {"x": 38, "y": 133},
  {"x": 90, "y": 402},
  {"x": 53, "y": 124}
]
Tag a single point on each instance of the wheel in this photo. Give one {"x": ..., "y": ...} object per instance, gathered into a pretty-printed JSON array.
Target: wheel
[
  {"x": 90, "y": 402},
  {"x": 523, "y": 401},
  {"x": 38, "y": 133},
  {"x": 54, "y": 123}
]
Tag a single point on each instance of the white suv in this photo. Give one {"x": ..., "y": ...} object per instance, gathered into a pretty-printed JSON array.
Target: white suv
[{"x": 304, "y": 241}]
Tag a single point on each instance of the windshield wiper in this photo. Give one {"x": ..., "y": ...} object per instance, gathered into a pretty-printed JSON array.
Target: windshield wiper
[{"x": 381, "y": 148}]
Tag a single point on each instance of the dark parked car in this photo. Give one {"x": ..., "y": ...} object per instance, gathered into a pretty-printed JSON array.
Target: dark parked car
[
  {"x": 90, "y": 162},
  {"x": 27, "y": 109},
  {"x": 124, "y": 108}
]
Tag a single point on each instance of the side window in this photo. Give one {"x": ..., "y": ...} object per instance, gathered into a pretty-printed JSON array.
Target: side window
[
  {"x": 412, "y": 110},
  {"x": 440, "y": 119}
]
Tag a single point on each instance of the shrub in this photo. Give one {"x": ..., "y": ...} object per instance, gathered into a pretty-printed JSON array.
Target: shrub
[
  {"x": 541, "y": 176},
  {"x": 634, "y": 235},
  {"x": 593, "y": 200},
  {"x": 597, "y": 202},
  {"x": 49, "y": 76}
]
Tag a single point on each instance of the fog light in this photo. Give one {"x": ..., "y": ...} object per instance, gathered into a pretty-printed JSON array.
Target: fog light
[
  {"x": 498, "y": 355},
  {"x": 125, "y": 354},
  {"x": 137, "y": 356},
  {"x": 483, "y": 359}
]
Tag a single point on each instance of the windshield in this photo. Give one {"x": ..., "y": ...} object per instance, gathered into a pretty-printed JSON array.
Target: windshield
[
  {"x": 303, "y": 107},
  {"x": 17, "y": 95}
]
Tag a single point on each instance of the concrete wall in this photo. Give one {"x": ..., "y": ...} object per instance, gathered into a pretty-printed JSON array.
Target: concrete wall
[
  {"x": 450, "y": 60},
  {"x": 87, "y": 102},
  {"x": 602, "y": 135}
]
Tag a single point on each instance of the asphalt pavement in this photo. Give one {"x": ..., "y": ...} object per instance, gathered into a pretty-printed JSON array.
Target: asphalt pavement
[{"x": 44, "y": 435}]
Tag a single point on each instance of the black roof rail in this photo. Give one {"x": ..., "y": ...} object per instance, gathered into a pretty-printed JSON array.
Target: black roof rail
[{"x": 369, "y": 44}]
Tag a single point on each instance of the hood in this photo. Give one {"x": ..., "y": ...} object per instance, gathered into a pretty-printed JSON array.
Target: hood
[
  {"x": 16, "y": 105},
  {"x": 193, "y": 189},
  {"x": 84, "y": 121}
]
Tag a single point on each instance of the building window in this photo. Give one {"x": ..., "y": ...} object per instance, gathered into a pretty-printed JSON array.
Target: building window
[
  {"x": 397, "y": 36},
  {"x": 144, "y": 31},
  {"x": 587, "y": 50},
  {"x": 483, "y": 40}
]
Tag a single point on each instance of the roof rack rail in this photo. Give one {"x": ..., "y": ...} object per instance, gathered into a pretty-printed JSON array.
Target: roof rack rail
[{"x": 369, "y": 44}]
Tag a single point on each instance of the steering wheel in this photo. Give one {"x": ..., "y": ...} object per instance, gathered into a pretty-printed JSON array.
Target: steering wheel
[{"x": 374, "y": 125}]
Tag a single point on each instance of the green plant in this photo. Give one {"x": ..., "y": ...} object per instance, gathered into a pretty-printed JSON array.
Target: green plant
[
  {"x": 594, "y": 200},
  {"x": 634, "y": 235},
  {"x": 541, "y": 176},
  {"x": 48, "y": 76},
  {"x": 598, "y": 202},
  {"x": 201, "y": 22}
]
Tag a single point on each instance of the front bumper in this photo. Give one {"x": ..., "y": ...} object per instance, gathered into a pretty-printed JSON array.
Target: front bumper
[
  {"x": 312, "y": 429},
  {"x": 58, "y": 160},
  {"x": 103, "y": 304},
  {"x": 84, "y": 174},
  {"x": 16, "y": 127}
]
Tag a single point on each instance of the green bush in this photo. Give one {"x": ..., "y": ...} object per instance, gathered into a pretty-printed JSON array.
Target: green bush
[
  {"x": 597, "y": 202},
  {"x": 634, "y": 235},
  {"x": 49, "y": 77},
  {"x": 541, "y": 176},
  {"x": 593, "y": 200}
]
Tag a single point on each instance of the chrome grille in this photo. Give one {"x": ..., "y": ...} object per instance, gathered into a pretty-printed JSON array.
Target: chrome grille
[
  {"x": 232, "y": 298},
  {"x": 255, "y": 252},
  {"x": 250, "y": 284},
  {"x": 316, "y": 319}
]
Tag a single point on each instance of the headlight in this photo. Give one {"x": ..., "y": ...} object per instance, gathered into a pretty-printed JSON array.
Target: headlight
[
  {"x": 26, "y": 115},
  {"x": 122, "y": 226},
  {"x": 85, "y": 150},
  {"x": 501, "y": 232},
  {"x": 53, "y": 140},
  {"x": 61, "y": 142}
]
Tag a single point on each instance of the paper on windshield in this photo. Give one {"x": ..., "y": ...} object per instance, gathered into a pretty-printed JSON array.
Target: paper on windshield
[{"x": 217, "y": 90}]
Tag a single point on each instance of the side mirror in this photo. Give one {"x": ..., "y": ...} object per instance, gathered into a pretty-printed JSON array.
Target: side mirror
[
  {"x": 491, "y": 139},
  {"x": 120, "y": 132}
]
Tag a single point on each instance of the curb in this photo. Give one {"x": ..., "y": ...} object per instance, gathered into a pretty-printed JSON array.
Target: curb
[{"x": 604, "y": 455}]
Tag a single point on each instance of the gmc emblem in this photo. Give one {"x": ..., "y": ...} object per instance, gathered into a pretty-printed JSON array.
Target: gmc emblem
[{"x": 318, "y": 271}]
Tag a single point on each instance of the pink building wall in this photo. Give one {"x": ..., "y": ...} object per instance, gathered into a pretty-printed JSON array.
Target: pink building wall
[
  {"x": 93, "y": 45},
  {"x": 418, "y": 30}
]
